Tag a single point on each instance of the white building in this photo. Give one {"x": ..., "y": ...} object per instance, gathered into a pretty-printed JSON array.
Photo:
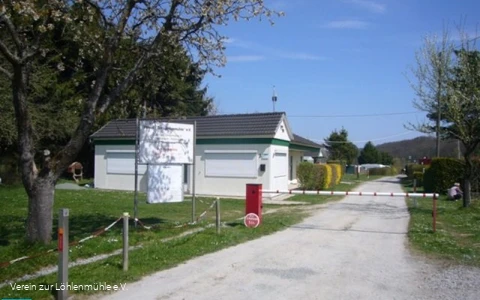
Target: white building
[{"x": 230, "y": 151}]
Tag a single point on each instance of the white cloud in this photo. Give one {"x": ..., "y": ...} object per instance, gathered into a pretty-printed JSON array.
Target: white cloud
[
  {"x": 267, "y": 52},
  {"x": 347, "y": 24},
  {"x": 372, "y": 6},
  {"x": 229, "y": 41},
  {"x": 244, "y": 58},
  {"x": 298, "y": 56}
]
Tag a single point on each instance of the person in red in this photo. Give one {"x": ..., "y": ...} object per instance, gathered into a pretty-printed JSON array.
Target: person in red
[{"x": 455, "y": 193}]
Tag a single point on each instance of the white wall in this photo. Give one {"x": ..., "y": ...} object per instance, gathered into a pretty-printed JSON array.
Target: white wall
[
  {"x": 125, "y": 182},
  {"x": 205, "y": 185},
  {"x": 234, "y": 186}
]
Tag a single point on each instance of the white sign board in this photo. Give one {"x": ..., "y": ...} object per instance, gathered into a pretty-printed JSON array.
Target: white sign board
[
  {"x": 165, "y": 143},
  {"x": 165, "y": 183}
]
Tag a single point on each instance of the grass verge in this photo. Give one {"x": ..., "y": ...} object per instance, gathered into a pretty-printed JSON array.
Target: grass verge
[
  {"x": 156, "y": 256},
  {"x": 457, "y": 238}
]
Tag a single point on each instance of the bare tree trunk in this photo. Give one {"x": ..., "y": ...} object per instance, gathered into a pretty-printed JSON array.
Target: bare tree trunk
[{"x": 40, "y": 210}]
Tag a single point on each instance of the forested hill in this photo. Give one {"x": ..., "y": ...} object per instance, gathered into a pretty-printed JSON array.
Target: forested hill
[{"x": 419, "y": 147}]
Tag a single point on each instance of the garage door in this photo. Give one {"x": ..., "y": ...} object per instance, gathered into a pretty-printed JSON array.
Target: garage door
[
  {"x": 242, "y": 164},
  {"x": 122, "y": 162}
]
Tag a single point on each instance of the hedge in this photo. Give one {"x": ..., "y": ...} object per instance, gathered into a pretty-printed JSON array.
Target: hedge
[
  {"x": 314, "y": 176},
  {"x": 305, "y": 174},
  {"x": 412, "y": 168},
  {"x": 441, "y": 174},
  {"x": 336, "y": 173}
]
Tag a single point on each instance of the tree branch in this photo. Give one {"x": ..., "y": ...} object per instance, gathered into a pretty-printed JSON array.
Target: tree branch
[
  {"x": 6, "y": 73},
  {"x": 194, "y": 28},
  {"x": 14, "y": 60},
  {"x": 128, "y": 79},
  {"x": 64, "y": 157},
  {"x": 124, "y": 85},
  {"x": 11, "y": 30},
  {"x": 99, "y": 11}
]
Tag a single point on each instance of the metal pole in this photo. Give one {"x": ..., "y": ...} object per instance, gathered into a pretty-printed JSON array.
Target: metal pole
[
  {"x": 217, "y": 213},
  {"x": 125, "y": 241},
  {"x": 62, "y": 290},
  {"x": 135, "y": 197},
  {"x": 434, "y": 213},
  {"x": 415, "y": 190},
  {"x": 194, "y": 169}
]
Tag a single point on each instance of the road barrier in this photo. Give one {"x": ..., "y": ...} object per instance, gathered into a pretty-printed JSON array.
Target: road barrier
[
  {"x": 433, "y": 196},
  {"x": 343, "y": 193}
]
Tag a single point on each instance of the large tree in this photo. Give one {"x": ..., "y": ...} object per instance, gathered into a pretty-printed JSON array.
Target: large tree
[
  {"x": 27, "y": 28},
  {"x": 429, "y": 79},
  {"x": 456, "y": 107},
  {"x": 340, "y": 148},
  {"x": 462, "y": 115},
  {"x": 369, "y": 154}
]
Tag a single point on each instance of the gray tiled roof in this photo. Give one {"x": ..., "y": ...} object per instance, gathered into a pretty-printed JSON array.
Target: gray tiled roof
[
  {"x": 303, "y": 141},
  {"x": 258, "y": 124}
]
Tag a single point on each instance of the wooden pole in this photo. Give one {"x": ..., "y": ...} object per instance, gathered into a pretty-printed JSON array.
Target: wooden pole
[
  {"x": 125, "y": 241},
  {"x": 217, "y": 212},
  {"x": 434, "y": 213},
  {"x": 62, "y": 290}
]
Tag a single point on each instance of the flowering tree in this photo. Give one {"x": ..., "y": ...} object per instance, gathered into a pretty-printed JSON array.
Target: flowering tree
[{"x": 100, "y": 30}]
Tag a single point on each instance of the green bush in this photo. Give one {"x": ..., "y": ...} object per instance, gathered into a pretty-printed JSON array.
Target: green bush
[
  {"x": 313, "y": 176},
  {"x": 305, "y": 174},
  {"x": 441, "y": 174},
  {"x": 319, "y": 177},
  {"x": 411, "y": 168},
  {"x": 419, "y": 177}
]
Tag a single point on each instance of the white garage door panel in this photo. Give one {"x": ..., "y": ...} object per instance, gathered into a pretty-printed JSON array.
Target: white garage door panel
[
  {"x": 231, "y": 164},
  {"x": 123, "y": 162}
]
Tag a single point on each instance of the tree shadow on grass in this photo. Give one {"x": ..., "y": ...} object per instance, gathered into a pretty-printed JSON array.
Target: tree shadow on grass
[{"x": 11, "y": 228}]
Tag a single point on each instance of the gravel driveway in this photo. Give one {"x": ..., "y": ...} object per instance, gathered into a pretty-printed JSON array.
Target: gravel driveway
[{"x": 353, "y": 249}]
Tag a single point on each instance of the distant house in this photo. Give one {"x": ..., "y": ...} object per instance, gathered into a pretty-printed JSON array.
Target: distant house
[{"x": 230, "y": 151}]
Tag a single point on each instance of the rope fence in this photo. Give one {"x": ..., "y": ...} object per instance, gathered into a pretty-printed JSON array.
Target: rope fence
[
  {"x": 100, "y": 232},
  {"x": 95, "y": 234}
]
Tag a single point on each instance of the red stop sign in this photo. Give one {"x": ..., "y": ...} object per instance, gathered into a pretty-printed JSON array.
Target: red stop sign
[{"x": 251, "y": 220}]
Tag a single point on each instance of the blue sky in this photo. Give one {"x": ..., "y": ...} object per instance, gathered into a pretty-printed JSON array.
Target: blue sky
[{"x": 333, "y": 62}]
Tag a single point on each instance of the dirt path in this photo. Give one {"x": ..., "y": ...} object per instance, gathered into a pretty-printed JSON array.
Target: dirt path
[{"x": 354, "y": 249}]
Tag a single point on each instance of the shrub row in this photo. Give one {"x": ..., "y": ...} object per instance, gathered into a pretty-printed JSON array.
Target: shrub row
[
  {"x": 412, "y": 168},
  {"x": 319, "y": 176},
  {"x": 383, "y": 171},
  {"x": 441, "y": 174}
]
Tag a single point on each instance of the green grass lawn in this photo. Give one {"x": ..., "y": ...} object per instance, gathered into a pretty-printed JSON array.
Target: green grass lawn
[{"x": 457, "y": 236}]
